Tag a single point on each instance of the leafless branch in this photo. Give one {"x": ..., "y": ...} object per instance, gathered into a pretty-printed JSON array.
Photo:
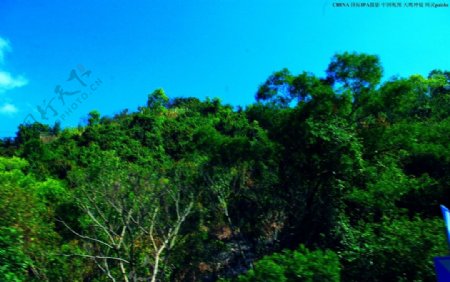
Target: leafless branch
[
  {"x": 96, "y": 257},
  {"x": 84, "y": 236}
]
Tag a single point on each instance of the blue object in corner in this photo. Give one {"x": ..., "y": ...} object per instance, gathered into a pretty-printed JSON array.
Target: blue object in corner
[{"x": 442, "y": 266}]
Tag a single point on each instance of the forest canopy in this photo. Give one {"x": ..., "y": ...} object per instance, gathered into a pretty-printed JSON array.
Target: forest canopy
[{"x": 334, "y": 178}]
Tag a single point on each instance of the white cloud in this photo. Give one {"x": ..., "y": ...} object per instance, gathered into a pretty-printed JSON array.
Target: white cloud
[
  {"x": 8, "y": 109},
  {"x": 4, "y": 47},
  {"x": 7, "y": 81}
]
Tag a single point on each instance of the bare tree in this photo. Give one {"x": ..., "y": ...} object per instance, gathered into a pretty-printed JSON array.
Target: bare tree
[
  {"x": 223, "y": 186},
  {"x": 124, "y": 214}
]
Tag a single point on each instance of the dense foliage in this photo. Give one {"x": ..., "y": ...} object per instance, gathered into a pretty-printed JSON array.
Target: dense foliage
[
  {"x": 298, "y": 265},
  {"x": 335, "y": 178}
]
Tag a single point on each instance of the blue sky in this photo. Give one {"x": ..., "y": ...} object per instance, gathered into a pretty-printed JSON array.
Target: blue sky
[{"x": 202, "y": 48}]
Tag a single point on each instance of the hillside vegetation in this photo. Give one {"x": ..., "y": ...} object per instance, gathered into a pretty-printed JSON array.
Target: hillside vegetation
[{"x": 335, "y": 178}]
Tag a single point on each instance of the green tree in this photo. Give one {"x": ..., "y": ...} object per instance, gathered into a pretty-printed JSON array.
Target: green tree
[
  {"x": 299, "y": 265},
  {"x": 354, "y": 71},
  {"x": 30, "y": 245}
]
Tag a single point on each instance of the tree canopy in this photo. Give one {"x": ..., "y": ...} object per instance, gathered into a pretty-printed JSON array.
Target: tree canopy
[{"x": 335, "y": 178}]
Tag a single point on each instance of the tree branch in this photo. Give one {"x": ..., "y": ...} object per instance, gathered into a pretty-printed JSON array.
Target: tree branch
[{"x": 84, "y": 236}]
